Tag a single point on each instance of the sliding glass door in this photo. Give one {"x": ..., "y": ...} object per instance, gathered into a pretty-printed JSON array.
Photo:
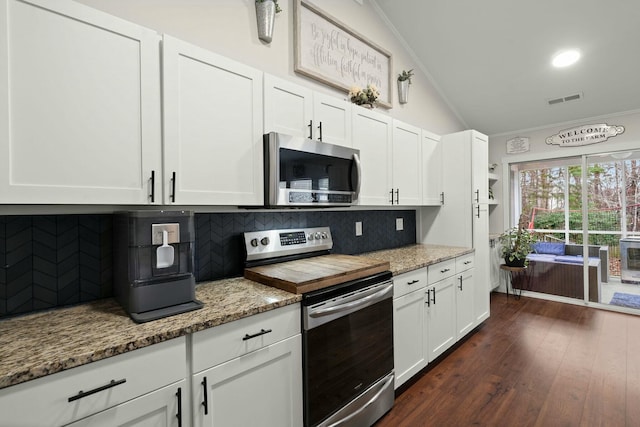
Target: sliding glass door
[
  {"x": 614, "y": 201},
  {"x": 582, "y": 208}
]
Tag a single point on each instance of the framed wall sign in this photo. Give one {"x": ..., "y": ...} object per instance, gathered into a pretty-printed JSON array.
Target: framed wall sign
[
  {"x": 330, "y": 52},
  {"x": 584, "y": 135},
  {"x": 516, "y": 145}
]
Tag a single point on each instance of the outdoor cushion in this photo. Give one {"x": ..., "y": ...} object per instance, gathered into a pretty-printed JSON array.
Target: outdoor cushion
[{"x": 552, "y": 248}]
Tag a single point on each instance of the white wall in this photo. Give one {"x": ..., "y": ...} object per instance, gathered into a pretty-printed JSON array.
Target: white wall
[
  {"x": 630, "y": 139},
  {"x": 228, "y": 27}
]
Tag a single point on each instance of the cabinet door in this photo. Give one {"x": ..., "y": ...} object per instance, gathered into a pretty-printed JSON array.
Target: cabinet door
[
  {"x": 441, "y": 317},
  {"x": 331, "y": 120},
  {"x": 431, "y": 169},
  {"x": 167, "y": 407},
  {"x": 288, "y": 107},
  {"x": 407, "y": 164},
  {"x": 465, "y": 294},
  {"x": 212, "y": 128},
  {"x": 80, "y": 106},
  {"x": 482, "y": 264},
  {"x": 262, "y": 388},
  {"x": 480, "y": 166},
  {"x": 409, "y": 335},
  {"x": 372, "y": 133}
]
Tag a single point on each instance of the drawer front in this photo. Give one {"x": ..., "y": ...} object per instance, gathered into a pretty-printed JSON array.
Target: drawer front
[
  {"x": 225, "y": 342},
  {"x": 45, "y": 401},
  {"x": 464, "y": 262},
  {"x": 408, "y": 282},
  {"x": 441, "y": 270}
]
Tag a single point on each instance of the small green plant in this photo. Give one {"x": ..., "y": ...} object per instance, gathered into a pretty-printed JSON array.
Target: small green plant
[
  {"x": 278, "y": 9},
  {"x": 405, "y": 75},
  {"x": 516, "y": 243}
]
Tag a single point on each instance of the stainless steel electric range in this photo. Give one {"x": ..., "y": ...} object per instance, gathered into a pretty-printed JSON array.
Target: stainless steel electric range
[{"x": 347, "y": 322}]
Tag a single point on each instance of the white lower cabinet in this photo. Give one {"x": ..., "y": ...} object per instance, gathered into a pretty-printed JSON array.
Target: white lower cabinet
[
  {"x": 441, "y": 317},
  {"x": 262, "y": 384},
  {"x": 133, "y": 388},
  {"x": 433, "y": 308},
  {"x": 409, "y": 335},
  {"x": 162, "y": 408}
]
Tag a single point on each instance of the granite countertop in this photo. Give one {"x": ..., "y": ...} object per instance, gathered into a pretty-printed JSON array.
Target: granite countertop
[
  {"x": 40, "y": 344},
  {"x": 412, "y": 257}
]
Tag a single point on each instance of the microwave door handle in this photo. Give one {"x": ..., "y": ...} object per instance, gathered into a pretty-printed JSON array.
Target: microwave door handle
[{"x": 356, "y": 160}]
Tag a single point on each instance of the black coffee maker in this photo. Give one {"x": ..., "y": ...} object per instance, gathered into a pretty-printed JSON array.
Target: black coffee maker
[{"x": 153, "y": 263}]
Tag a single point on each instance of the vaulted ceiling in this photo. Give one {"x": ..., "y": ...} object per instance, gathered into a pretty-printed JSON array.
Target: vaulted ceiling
[{"x": 491, "y": 59}]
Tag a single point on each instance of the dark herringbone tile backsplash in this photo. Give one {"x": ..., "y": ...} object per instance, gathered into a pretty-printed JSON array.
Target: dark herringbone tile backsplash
[{"x": 48, "y": 261}]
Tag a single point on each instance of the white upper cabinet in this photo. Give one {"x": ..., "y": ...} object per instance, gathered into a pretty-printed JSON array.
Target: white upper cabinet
[
  {"x": 296, "y": 110},
  {"x": 79, "y": 106},
  {"x": 332, "y": 120},
  {"x": 432, "y": 192},
  {"x": 480, "y": 167},
  {"x": 212, "y": 128},
  {"x": 372, "y": 135},
  {"x": 288, "y": 108},
  {"x": 407, "y": 164}
]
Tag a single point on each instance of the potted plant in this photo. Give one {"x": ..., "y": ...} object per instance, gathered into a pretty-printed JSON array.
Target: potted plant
[
  {"x": 516, "y": 244},
  {"x": 265, "y": 14},
  {"x": 366, "y": 97},
  {"x": 404, "y": 80}
]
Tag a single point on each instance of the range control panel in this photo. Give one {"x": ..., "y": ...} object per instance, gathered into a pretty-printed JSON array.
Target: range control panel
[{"x": 276, "y": 243}]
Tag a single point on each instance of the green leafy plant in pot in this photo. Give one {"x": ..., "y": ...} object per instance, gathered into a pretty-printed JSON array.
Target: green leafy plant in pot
[{"x": 516, "y": 244}]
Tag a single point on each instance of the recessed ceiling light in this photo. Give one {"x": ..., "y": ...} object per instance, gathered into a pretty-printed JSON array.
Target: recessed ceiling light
[{"x": 565, "y": 58}]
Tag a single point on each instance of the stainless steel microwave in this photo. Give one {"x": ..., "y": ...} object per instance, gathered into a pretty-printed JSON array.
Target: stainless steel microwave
[{"x": 300, "y": 172}]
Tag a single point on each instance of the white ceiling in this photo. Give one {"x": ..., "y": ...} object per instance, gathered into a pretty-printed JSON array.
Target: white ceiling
[{"x": 491, "y": 59}]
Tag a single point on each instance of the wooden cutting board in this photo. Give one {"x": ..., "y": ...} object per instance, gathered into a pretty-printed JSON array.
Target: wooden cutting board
[{"x": 314, "y": 273}]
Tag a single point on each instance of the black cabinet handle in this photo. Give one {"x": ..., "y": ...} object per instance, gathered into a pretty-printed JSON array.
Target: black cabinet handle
[
  {"x": 397, "y": 196},
  {"x": 179, "y": 414},
  {"x": 82, "y": 394},
  {"x": 173, "y": 187},
  {"x": 460, "y": 285},
  {"x": 445, "y": 270},
  {"x": 391, "y": 193},
  {"x": 310, "y": 129},
  {"x": 428, "y": 299},
  {"x": 320, "y": 128},
  {"x": 152, "y": 196},
  {"x": 442, "y": 198},
  {"x": 477, "y": 196},
  {"x": 257, "y": 334},
  {"x": 478, "y": 207},
  {"x": 412, "y": 282},
  {"x": 205, "y": 402},
  {"x": 433, "y": 301}
]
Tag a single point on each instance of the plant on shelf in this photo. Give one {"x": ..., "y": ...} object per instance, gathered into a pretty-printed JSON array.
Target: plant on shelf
[
  {"x": 516, "y": 244},
  {"x": 367, "y": 96},
  {"x": 404, "y": 80}
]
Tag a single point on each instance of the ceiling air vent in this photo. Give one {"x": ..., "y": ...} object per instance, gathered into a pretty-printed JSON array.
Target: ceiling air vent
[{"x": 567, "y": 98}]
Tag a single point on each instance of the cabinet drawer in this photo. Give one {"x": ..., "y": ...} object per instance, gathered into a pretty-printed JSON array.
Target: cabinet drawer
[
  {"x": 228, "y": 341},
  {"x": 441, "y": 270},
  {"x": 408, "y": 282},
  {"x": 45, "y": 401},
  {"x": 464, "y": 262}
]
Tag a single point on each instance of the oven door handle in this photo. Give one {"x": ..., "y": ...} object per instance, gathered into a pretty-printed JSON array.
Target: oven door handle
[
  {"x": 373, "y": 399},
  {"x": 378, "y": 295}
]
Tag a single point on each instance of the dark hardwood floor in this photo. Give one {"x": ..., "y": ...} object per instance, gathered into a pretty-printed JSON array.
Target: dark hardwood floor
[{"x": 532, "y": 363}]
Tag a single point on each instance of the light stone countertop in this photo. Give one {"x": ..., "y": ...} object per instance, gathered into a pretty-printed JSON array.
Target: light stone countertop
[
  {"x": 412, "y": 257},
  {"x": 39, "y": 344}
]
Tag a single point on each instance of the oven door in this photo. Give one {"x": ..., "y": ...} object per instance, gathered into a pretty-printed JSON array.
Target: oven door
[{"x": 347, "y": 348}]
